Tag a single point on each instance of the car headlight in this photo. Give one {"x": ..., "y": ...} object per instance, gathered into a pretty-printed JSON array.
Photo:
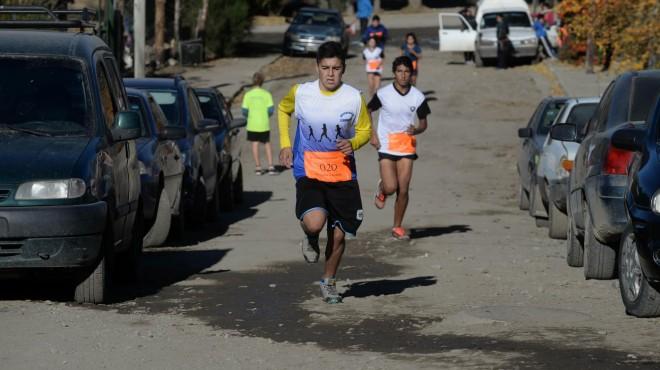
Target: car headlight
[
  {"x": 655, "y": 203},
  {"x": 52, "y": 189},
  {"x": 333, "y": 38}
]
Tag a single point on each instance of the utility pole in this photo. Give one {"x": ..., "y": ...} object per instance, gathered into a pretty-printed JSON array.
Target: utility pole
[{"x": 139, "y": 19}]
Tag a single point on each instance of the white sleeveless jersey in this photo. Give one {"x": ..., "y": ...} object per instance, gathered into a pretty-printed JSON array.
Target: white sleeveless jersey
[
  {"x": 374, "y": 61},
  {"x": 322, "y": 120},
  {"x": 397, "y": 113}
]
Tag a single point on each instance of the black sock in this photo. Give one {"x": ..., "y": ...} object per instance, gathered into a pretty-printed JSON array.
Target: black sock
[{"x": 313, "y": 239}]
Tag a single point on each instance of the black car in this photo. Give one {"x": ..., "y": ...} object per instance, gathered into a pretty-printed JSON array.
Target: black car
[
  {"x": 311, "y": 27},
  {"x": 227, "y": 143},
  {"x": 533, "y": 136},
  {"x": 70, "y": 201},
  {"x": 200, "y": 180},
  {"x": 639, "y": 252},
  {"x": 161, "y": 167},
  {"x": 599, "y": 177}
]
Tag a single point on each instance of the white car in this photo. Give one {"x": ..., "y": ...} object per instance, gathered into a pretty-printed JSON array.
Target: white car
[{"x": 555, "y": 165}]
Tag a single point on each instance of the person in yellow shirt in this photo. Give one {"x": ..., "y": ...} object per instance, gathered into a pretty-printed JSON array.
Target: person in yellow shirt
[
  {"x": 257, "y": 107},
  {"x": 332, "y": 122}
]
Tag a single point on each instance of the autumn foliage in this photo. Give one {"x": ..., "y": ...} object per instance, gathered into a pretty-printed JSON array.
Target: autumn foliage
[{"x": 630, "y": 30}]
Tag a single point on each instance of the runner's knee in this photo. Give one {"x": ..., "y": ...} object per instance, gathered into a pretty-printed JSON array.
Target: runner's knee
[{"x": 389, "y": 189}]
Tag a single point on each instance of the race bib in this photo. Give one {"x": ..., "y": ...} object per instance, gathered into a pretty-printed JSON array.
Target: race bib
[
  {"x": 374, "y": 65},
  {"x": 328, "y": 166},
  {"x": 414, "y": 63},
  {"x": 402, "y": 142}
]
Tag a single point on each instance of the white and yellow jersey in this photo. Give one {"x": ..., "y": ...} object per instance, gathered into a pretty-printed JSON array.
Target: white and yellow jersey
[
  {"x": 323, "y": 118},
  {"x": 397, "y": 113}
]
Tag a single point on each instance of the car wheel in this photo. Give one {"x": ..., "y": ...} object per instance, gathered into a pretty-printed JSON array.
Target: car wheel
[
  {"x": 158, "y": 232},
  {"x": 532, "y": 196},
  {"x": 599, "y": 258},
  {"x": 639, "y": 297},
  {"x": 574, "y": 250},
  {"x": 129, "y": 261},
  {"x": 238, "y": 186},
  {"x": 213, "y": 207},
  {"x": 523, "y": 198},
  {"x": 558, "y": 222},
  {"x": 227, "y": 193},
  {"x": 178, "y": 227},
  {"x": 96, "y": 287}
]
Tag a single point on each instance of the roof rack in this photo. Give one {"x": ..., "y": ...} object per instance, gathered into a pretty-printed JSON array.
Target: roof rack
[{"x": 58, "y": 19}]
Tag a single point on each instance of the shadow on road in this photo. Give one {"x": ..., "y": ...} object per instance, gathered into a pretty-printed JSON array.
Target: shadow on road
[
  {"x": 386, "y": 286},
  {"x": 427, "y": 232}
]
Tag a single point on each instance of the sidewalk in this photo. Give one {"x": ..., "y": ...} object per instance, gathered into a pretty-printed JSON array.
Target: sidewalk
[{"x": 576, "y": 82}]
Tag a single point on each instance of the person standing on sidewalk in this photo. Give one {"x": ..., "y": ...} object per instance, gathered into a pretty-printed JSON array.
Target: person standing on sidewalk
[
  {"x": 257, "y": 107},
  {"x": 327, "y": 190},
  {"x": 364, "y": 10},
  {"x": 373, "y": 60},
  {"x": 503, "y": 43},
  {"x": 400, "y": 103}
]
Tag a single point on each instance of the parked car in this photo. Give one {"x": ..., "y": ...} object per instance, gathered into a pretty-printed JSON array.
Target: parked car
[
  {"x": 533, "y": 136},
  {"x": 639, "y": 252},
  {"x": 161, "y": 167},
  {"x": 556, "y": 163},
  {"x": 200, "y": 180},
  {"x": 311, "y": 27},
  {"x": 227, "y": 143},
  {"x": 457, "y": 35},
  {"x": 70, "y": 203},
  {"x": 598, "y": 180}
]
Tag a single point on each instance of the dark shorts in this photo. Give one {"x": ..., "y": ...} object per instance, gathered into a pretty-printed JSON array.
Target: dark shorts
[
  {"x": 262, "y": 137},
  {"x": 374, "y": 73},
  {"x": 339, "y": 200},
  {"x": 395, "y": 158}
]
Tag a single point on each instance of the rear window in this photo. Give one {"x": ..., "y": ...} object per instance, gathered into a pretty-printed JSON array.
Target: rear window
[
  {"x": 549, "y": 114},
  {"x": 169, "y": 104},
  {"x": 581, "y": 114},
  {"x": 645, "y": 91},
  {"x": 319, "y": 19},
  {"x": 48, "y": 95},
  {"x": 209, "y": 108},
  {"x": 514, "y": 19}
]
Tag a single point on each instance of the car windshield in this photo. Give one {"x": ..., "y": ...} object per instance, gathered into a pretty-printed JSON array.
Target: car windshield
[
  {"x": 209, "y": 109},
  {"x": 44, "y": 96},
  {"x": 514, "y": 19},
  {"x": 169, "y": 104},
  {"x": 317, "y": 19},
  {"x": 549, "y": 114},
  {"x": 645, "y": 91},
  {"x": 581, "y": 114}
]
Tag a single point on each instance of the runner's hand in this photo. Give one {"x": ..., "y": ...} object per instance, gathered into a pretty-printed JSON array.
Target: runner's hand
[
  {"x": 375, "y": 142},
  {"x": 411, "y": 130},
  {"x": 345, "y": 146},
  {"x": 286, "y": 157}
]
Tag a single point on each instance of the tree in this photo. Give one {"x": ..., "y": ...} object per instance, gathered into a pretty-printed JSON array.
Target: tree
[
  {"x": 159, "y": 39},
  {"x": 201, "y": 19}
]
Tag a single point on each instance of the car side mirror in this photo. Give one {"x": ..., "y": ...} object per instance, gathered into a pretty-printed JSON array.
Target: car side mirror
[
  {"x": 525, "y": 133},
  {"x": 172, "y": 133},
  {"x": 629, "y": 138},
  {"x": 127, "y": 126},
  {"x": 237, "y": 123},
  {"x": 564, "y": 132},
  {"x": 209, "y": 125}
]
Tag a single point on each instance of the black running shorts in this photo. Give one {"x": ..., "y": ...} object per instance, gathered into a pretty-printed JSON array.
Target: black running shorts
[
  {"x": 395, "y": 158},
  {"x": 261, "y": 137},
  {"x": 339, "y": 200}
]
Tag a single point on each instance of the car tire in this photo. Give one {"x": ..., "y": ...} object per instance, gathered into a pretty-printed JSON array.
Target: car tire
[
  {"x": 227, "y": 200},
  {"x": 574, "y": 249},
  {"x": 558, "y": 222},
  {"x": 599, "y": 258},
  {"x": 158, "y": 232},
  {"x": 523, "y": 198},
  {"x": 238, "y": 185},
  {"x": 96, "y": 287},
  {"x": 532, "y": 196},
  {"x": 640, "y": 298},
  {"x": 213, "y": 207},
  {"x": 129, "y": 262}
]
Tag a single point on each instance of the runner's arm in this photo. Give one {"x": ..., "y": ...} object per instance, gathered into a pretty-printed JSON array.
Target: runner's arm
[
  {"x": 284, "y": 111},
  {"x": 362, "y": 127}
]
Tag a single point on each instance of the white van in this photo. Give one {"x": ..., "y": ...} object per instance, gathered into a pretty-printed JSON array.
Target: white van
[{"x": 456, "y": 34}]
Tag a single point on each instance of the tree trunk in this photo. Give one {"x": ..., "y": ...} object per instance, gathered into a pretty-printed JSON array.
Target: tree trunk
[
  {"x": 177, "y": 21},
  {"x": 120, "y": 5},
  {"x": 590, "y": 41},
  {"x": 160, "y": 30},
  {"x": 415, "y": 4},
  {"x": 377, "y": 8},
  {"x": 201, "y": 19}
]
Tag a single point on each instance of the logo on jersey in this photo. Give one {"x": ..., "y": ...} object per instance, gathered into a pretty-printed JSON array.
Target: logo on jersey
[
  {"x": 412, "y": 109},
  {"x": 346, "y": 118}
]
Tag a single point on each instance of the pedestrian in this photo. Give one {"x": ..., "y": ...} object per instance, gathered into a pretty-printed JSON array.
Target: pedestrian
[
  {"x": 376, "y": 30},
  {"x": 400, "y": 104},
  {"x": 413, "y": 51},
  {"x": 364, "y": 10},
  {"x": 542, "y": 35},
  {"x": 327, "y": 191},
  {"x": 373, "y": 60},
  {"x": 468, "y": 15},
  {"x": 257, "y": 107},
  {"x": 503, "y": 43}
]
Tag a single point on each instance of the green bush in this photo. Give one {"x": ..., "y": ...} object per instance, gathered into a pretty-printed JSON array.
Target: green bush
[{"x": 227, "y": 25}]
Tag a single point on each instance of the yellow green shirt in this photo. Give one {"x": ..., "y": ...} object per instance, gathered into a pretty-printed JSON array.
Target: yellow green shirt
[{"x": 257, "y": 102}]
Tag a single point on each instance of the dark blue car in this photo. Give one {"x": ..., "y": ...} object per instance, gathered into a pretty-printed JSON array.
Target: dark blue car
[
  {"x": 161, "y": 167},
  {"x": 639, "y": 251},
  {"x": 200, "y": 181}
]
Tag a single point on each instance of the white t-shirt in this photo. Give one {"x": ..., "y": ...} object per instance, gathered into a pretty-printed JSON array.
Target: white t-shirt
[
  {"x": 373, "y": 58},
  {"x": 397, "y": 113}
]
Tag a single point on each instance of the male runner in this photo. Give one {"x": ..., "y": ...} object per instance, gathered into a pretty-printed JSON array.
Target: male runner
[
  {"x": 326, "y": 181},
  {"x": 395, "y": 140}
]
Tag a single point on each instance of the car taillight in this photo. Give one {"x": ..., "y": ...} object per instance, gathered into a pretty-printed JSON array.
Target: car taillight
[{"x": 617, "y": 161}]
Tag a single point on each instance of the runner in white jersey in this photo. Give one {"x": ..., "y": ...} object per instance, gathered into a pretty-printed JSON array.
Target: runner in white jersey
[
  {"x": 373, "y": 61},
  {"x": 332, "y": 121},
  {"x": 400, "y": 104}
]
